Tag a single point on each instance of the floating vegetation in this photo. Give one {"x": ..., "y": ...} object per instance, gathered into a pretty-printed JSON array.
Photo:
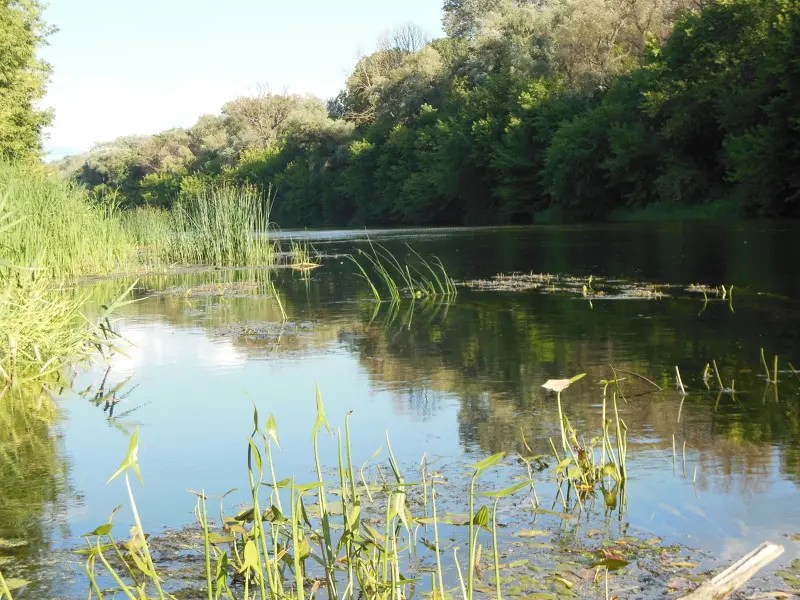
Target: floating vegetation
[{"x": 592, "y": 287}]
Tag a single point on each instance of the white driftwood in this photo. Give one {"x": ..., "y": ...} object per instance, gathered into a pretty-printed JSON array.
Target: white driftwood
[{"x": 737, "y": 574}]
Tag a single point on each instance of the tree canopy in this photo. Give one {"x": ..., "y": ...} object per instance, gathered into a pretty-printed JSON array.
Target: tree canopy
[
  {"x": 23, "y": 77},
  {"x": 527, "y": 109}
]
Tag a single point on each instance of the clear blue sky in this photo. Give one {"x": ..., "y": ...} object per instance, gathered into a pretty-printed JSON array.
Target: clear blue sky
[{"x": 140, "y": 66}]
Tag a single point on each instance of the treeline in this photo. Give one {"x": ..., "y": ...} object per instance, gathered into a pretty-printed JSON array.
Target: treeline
[{"x": 567, "y": 108}]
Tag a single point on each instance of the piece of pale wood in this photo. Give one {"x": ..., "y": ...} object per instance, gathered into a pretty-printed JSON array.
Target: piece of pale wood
[{"x": 737, "y": 574}]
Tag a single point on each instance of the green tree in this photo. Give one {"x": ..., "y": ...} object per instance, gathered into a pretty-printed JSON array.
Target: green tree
[{"x": 23, "y": 78}]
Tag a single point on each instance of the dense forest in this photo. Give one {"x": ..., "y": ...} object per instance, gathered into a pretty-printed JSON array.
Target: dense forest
[{"x": 527, "y": 110}]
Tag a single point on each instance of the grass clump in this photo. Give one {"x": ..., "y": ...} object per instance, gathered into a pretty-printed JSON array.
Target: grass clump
[
  {"x": 219, "y": 225},
  {"x": 57, "y": 227},
  {"x": 222, "y": 225},
  {"x": 417, "y": 277},
  {"x": 49, "y": 230},
  {"x": 302, "y": 256}
]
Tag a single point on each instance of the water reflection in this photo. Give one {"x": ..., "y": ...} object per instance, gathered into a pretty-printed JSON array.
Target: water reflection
[
  {"x": 493, "y": 351},
  {"x": 34, "y": 487},
  {"x": 454, "y": 380}
]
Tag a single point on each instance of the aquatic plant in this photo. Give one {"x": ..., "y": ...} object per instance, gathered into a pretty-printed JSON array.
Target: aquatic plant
[
  {"x": 222, "y": 225},
  {"x": 45, "y": 328},
  {"x": 580, "y": 467},
  {"x": 301, "y": 258},
  {"x": 43, "y": 323},
  {"x": 418, "y": 277},
  {"x": 219, "y": 225},
  {"x": 287, "y": 546}
]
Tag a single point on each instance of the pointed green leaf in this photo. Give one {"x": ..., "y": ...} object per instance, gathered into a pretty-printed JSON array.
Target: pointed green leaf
[
  {"x": 481, "y": 518},
  {"x": 250, "y": 556},
  {"x": 487, "y": 463},
  {"x": 321, "y": 420},
  {"x": 612, "y": 564},
  {"x": 101, "y": 530},
  {"x": 272, "y": 430},
  {"x": 508, "y": 491},
  {"x": 610, "y": 469},
  {"x": 130, "y": 459}
]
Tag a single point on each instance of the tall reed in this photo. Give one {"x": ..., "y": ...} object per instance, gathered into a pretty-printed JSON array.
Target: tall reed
[
  {"x": 58, "y": 228},
  {"x": 222, "y": 225}
]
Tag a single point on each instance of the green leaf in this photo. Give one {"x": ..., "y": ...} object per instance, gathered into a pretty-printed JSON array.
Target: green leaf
[
  {"x": 15, "y": 584},
  {"x": 481, "y": 518},
  {"x": 487, "y": 463},
  {"x": 575, "y": 472},
  {"x": 255, "y": 454},
  {"x": 101, "y": 530},
  {"x": 321, "y": 420},
  {"x": 216, "y": 539},
  {"x": 577, "y": 378},
  {"x": 131, "y": 459},
  {"x": 563, "y": 465},
  {"x": 612, "y": 564},
  {"x": 304, "y": 487},
  {"x": 529, "y": 533},
  {"x": 250, "y": 556},
  {"x": 610, "y": 469},
  {"x": 508, "y": 491},
  {"x": 272, "y": 430}
]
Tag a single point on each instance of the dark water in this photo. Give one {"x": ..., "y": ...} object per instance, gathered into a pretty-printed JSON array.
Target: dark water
[{"x": 457, "y": 382}]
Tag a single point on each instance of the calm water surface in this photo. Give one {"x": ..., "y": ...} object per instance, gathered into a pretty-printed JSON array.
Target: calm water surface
[{"x": 456, "y": 382}]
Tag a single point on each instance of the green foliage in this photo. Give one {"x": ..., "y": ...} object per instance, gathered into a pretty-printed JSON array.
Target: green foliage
[
  {"x": 58, "y": 228},
  {"x": 579, "y": 108},
  {"x": 22, "y": 79}
]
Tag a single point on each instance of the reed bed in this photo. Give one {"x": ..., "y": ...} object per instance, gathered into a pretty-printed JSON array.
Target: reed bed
[
  {"x": 221, "y": 225},
  {"x": 43, "y": 325},
  {"x": 57, "y": 227}
]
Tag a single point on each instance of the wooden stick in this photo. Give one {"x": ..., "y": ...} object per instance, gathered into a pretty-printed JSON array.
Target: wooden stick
[{"x": 737, "y": 574}]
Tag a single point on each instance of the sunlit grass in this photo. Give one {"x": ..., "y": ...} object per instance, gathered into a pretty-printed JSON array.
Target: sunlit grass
[
  {"x": 43, "y": 325},
  {"x": 220, "y": 225},
  {"x": 417, "y": 277},
  {"x": 57, "y": 227}
]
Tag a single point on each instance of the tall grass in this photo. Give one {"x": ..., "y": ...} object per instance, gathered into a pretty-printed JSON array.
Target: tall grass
[
  {"x": 49, "y": 230},
  {"x": 220, "y": 225},
  {"x": 57, "y": 226},
  {"x": 223, "y": 225},
  {"x": 417, "y": 277}
]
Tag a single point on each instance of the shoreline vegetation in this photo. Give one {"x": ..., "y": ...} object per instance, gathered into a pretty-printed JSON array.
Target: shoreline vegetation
[{"x": 525, "y": 112}]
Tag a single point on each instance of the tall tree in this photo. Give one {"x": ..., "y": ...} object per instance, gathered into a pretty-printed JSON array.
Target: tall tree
[{"x": 23, "y": 77}]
